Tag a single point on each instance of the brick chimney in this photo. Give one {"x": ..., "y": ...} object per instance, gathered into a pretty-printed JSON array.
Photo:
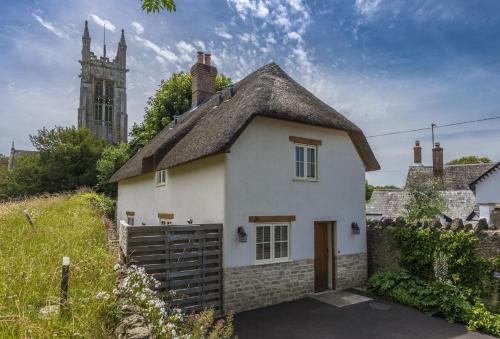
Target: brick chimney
[
  {"x": 417, "y": 153},
  {"x": 437, "y": 161},
  {"x": 203, "y": 74}
]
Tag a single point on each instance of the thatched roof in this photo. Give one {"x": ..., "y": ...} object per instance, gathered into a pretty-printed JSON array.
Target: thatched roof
[
  {"x": 455, "y": 177},
  {"x": 212, "y": 127}
]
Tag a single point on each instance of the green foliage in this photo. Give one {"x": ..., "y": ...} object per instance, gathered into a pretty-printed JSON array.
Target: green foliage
[
  {"x": 471, "y": 159},
  {"x": 435, "y": 298},
  {"x": 158, "y": 5},
  {"x": 417, "y": 246},
  {"x": 480, "y": 319},
  {"x": 66, "y": 160},
  {"x": 23, "y": 180},
  {"x": 173, "y": 97},
  {"x": 467, "y": 269},
  {"x": 68, "y": 157},
  {"x": 102, "y": 204},
  {"x": 4, "y": 161},
  {"x": 112, "y": 158},
  {"x": 424, "y": 202},
  {"x": 30, "y": 267}
]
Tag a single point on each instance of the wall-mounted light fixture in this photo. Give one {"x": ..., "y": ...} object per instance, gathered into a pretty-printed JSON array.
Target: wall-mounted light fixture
[
  {"x": 355, "y": 228},
  {"x": 242, "y": 235},
  {"x": 189, "y": 220}
]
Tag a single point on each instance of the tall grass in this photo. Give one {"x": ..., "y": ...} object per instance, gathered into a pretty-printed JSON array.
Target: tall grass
[{"x": 30, "y": 268}]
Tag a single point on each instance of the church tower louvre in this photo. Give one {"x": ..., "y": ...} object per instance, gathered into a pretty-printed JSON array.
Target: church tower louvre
[{"x": 103, "y": 91}]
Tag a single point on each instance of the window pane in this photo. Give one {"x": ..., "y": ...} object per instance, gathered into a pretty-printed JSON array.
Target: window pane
[
  {"x": 260, "y": 234},
  {"x": 267, "y": 233},
  {"x": 277, "y": 233},
  {"x": 284, "y": 250},
  {"x": 259, "y": 253},
  {"x": 299, "y": 161},
  {"x": 267, "y": 251},
  {"x": 311, "y": 163},
  {"x": 277, "y": 250}
]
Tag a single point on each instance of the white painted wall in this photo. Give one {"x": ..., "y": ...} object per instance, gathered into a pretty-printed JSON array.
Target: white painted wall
[
  {"x": 193, "y": 190},
  {"x": 259, "y": 182},
  {"x": 488, "y": 190}
]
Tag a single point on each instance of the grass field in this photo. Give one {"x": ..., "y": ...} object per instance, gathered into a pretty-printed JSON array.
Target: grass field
[{"x": 30, "y": 268}]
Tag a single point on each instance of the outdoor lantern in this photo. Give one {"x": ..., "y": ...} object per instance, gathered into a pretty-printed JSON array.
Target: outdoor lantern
[
  {"x": 242, "y": 235},
  {"x": 355, "y": 228}
]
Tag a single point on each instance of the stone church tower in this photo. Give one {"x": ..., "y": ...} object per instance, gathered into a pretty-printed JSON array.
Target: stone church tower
[{"x": 103, "y": 92}]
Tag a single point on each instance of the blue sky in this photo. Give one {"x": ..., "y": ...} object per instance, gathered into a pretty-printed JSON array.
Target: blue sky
[{"x": 387, "y": 65}]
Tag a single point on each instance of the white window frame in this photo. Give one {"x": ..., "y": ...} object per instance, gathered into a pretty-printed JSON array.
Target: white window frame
[
  {"x": 305, "y": 162},
  {"x": 130, "y": 220},
  {"x": 161, "y": 177},
  {"x": 164, "y": 221},
  {"x": 272, "y": 259}
]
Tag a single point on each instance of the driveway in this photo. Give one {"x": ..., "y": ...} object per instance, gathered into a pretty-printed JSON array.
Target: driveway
[{"x": 311, "y": 318}]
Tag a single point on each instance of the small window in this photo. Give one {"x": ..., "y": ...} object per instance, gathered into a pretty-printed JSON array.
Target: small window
[
  {"x": 165, "y": 222},
  {"x": 305, "y": 166},
  {"x": 272, "y": 243},
  {"x": 160, "y": 178},
  {"x": 130, "y": 220}
]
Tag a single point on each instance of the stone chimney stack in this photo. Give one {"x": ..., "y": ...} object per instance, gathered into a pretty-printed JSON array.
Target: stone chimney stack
[
  {"x": 437, "y": 161},
  {"x": 203, "y": 74},
  {"x": 417, "y": 154}
]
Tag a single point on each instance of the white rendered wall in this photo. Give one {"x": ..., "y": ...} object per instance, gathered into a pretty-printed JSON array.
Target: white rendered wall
[
  {"x": 194, "y": 190},
  {"x": 259, "y": 182},
  {"x": 488, "y": 190}
]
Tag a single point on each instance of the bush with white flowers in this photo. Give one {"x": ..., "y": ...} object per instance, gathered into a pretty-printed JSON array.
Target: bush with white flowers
[{"x": 165, "y": 321}]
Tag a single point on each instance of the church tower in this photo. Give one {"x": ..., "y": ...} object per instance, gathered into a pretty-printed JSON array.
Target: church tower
[{"x": 103, "y": 92}]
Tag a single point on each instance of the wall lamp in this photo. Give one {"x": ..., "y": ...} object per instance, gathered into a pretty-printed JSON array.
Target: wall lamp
[
  {"x": 355, "y": 228},
  {"x": 242, "y": 235}
]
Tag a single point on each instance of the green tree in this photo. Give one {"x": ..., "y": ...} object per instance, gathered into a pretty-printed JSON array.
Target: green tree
[
  {"x": 173, "y": 97},
  {"x": 158, "y": 5},
  {"x": 470, "y": 159},
  {"x": 112, "y": 158},
  {"x": 424, "y": 202},
  {"x": 23, "y": 180},
  {"x": 4, "y": 161},
  {"x": 68, "y": 157}
]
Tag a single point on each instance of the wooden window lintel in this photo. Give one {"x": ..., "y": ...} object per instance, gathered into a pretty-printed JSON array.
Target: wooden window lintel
[
  {"x": 304, "y": 141},
  {"x": 165, "y": 216},
  {"x": 130, "y": 213},
  {"x": 271, "y": 218}
]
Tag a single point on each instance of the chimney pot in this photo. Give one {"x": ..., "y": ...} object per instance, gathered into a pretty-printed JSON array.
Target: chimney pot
[
  {"x": 417, "y": 153},
  {"x": 207, "y": 58},
  {"x": 200, "y": 57}
]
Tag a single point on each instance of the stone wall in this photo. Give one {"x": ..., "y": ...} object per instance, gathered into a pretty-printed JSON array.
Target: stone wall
[
  {"x": 383, "y": 249},
  {"x": 250, "y": 287},
  {"x": 352, "y": 270}
]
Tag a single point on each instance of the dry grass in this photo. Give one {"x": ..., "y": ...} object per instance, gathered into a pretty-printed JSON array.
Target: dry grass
[{"x": 30, "y": 268}]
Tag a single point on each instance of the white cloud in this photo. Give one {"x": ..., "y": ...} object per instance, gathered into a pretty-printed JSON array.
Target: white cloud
[
  {"x": 49, "y": 26},
  {"x": 187, "y": 51},
  {"x": 139, "y": 29},
  {"x": 250, "y": 7},
  {"x": 160, "y": 51},
  {"x": 367, "y": 7},
  {"x": 199, "y": 44},
  {"x": 103, "y": 23},
  {"x": 294, "y": 36},
  {"x": 222, "y": 32}
]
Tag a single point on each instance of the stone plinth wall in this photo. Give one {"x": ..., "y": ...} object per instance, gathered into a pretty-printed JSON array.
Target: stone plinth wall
[
  {"x": 489, "y": 243},
  {"x": 352, "y": 270},
  {"x": 250, "y": 287}
]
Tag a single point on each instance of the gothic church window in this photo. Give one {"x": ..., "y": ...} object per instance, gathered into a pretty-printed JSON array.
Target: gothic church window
[{"x": 103, "y": 101}]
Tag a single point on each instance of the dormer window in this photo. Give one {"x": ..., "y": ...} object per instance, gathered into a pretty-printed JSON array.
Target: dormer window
[
  {"x": 305, "y": 165},
  {"x": 161, "y": 177}
]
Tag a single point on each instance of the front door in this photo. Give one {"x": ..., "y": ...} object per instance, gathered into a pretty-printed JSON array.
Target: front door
[{"x": 320, "y": 256}]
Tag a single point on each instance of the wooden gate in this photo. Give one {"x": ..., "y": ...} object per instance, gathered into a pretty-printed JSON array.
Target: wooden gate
[{"x": 186, "y": 259}]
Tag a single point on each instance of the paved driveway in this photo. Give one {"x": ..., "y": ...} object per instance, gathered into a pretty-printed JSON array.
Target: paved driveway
[{"x": 311, "y": 318}]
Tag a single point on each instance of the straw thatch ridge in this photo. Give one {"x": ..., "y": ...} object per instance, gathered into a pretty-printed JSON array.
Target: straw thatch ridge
[{"x": 212, "y": 127}]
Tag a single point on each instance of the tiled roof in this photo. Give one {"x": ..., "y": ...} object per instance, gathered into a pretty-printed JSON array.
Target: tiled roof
[
  {"x": 455, "y": 177},
  {"x": 391, "y": 203}
]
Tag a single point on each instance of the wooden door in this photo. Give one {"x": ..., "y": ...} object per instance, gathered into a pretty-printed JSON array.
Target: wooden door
[{"x": 320, "y": 257}]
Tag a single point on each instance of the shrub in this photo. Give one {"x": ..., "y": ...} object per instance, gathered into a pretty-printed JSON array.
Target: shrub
[
  {"x": 164, "y": 320},
  {"x": 104, "y": 205},
  {"x": 436, "y": 298}
]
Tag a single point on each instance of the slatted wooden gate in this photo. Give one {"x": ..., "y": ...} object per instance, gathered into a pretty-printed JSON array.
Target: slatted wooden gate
[{"x": 186, "y": 259}]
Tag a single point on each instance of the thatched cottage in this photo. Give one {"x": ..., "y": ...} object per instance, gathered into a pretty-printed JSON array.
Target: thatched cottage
[{"x": 281, "y": 170}]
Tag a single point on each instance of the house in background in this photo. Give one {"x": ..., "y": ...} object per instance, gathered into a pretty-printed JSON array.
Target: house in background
[
  {"x": 267, "y": 158},
  {"x": 453, "y": 183},
  {"x": 16, "y": 154},
  {"x": 487, "y": 191}
]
